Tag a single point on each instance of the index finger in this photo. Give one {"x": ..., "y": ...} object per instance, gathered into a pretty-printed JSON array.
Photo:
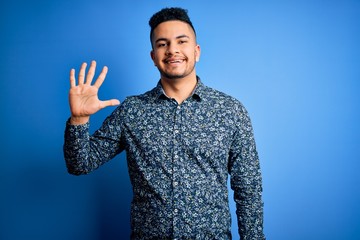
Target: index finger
[{"x": 101, "y": 77}]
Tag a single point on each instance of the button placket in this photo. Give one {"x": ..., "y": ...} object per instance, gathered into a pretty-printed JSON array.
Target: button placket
[{"x": 176, "y": 169}]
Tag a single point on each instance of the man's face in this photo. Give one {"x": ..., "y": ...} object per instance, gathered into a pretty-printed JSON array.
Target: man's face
[{"x": 175, "y": 51}]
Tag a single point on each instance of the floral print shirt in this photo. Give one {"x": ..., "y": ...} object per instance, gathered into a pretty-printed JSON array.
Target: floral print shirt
[{"x": 179, "y": 158}]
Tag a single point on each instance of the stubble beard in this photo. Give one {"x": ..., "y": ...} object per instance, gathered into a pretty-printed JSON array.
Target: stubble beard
[{"x": 178, "y": 75}]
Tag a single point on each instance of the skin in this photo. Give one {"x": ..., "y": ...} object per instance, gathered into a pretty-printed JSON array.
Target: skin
[
  {"x": 174, "y": 53},
  {"x": 83, "y": 98}
]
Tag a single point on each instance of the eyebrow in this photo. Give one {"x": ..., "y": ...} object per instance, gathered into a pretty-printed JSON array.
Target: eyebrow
[{"x": 166, "y": 39}]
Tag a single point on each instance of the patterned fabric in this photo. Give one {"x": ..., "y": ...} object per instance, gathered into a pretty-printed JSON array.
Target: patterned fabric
[{"x": 179, "y": 158}]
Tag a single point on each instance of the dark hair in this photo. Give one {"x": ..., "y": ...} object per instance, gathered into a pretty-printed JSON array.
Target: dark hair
[{"x": 168, "y": 14}]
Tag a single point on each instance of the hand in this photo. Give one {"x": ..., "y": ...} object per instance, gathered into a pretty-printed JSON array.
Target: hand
[{"x": 83, "y": 98}]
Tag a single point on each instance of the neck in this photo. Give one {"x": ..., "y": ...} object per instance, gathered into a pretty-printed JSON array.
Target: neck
[{"x": 179, "y": 89}]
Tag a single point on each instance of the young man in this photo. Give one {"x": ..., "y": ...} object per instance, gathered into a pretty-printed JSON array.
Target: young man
[{"x": 182, "y": 140}]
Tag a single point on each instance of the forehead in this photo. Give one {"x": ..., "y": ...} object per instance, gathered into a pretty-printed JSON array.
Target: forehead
[{"x": 172, "y": 29}]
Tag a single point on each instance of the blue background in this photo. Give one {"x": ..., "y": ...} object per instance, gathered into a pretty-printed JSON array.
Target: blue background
[{"x": 295, "y": 65}]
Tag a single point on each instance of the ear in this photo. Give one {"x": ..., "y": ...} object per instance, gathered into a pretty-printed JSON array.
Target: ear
[
  {"x": 152, "y": 55},
  {"x": 197, "y": 53}
]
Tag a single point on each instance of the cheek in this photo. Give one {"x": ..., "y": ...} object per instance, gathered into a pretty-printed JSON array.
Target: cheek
[{"x": 155, "y": 58}]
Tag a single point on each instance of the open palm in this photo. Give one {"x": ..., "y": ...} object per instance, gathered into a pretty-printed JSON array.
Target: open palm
[{"x": 83, "y": 97}]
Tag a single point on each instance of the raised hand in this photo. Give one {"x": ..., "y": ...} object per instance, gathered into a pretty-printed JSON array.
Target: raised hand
[{"x": 83, "y": 98}]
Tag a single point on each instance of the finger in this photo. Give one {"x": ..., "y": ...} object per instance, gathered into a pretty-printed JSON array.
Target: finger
[
  {"x": 72, "y": 78},
  {"x": 91, "y": 73},
  {"x": 82, "y": 73},
  {"x": 101, "y": 77},
  {"x": 108, "y": 103}
]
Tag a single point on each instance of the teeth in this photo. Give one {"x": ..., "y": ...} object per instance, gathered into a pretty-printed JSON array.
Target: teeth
[{"x": 176, "y": 61}]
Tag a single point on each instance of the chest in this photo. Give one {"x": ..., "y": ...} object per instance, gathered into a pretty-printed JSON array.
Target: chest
[{"x": 195, "y": 127}]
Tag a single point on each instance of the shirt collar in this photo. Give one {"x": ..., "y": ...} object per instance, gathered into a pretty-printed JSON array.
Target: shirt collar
[{"x": 198, "y": 93}]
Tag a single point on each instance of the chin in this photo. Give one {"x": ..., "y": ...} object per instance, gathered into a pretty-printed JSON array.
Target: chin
[{"x": 174, "y": 76}]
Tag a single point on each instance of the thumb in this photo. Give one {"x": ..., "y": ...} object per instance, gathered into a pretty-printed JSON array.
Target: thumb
[{"x": 108, "y": 103}]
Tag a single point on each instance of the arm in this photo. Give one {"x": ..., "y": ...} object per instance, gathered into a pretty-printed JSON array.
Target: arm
[
  {"x": 84, "y": 153},
  {"x": 246, "y": 181}
]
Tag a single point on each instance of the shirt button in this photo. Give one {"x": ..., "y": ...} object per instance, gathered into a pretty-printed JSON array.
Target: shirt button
[
  {"x": 175, "y": 210},
  {"x": 175, "y": 183}
]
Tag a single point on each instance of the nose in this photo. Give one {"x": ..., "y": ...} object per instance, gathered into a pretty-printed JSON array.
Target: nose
[{"x": 172, "y": 49}]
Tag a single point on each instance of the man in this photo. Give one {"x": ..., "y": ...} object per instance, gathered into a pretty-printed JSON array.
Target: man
[{"x": 182, "y": 140}]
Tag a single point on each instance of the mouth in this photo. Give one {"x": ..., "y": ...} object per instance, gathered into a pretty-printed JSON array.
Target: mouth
[{"x": 174, "y": 61}]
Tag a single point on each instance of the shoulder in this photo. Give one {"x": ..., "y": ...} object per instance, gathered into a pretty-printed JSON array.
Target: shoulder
[
  {"x": 140, "y": 99},
  {"x": 231, "y": 109},
  {"x": 219, "y": 99},
  {"x": 135, "y": 103}
]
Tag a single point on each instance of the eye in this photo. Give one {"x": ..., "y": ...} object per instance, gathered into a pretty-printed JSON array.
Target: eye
[
  {"x": 182, "y": 41},
  {"x": 159, "y": 45}
]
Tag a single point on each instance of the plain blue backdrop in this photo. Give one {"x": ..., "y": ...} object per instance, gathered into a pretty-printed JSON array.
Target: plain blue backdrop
[{"x": 295, "y": 65}]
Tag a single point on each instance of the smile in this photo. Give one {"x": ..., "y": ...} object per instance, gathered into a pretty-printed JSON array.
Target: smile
[{"x": 174, "y": 61}]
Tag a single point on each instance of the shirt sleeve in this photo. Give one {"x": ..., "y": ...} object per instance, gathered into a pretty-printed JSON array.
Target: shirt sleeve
[
  {"x": 246, "y": 180},
  {"x": 84, "y": 153}
]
